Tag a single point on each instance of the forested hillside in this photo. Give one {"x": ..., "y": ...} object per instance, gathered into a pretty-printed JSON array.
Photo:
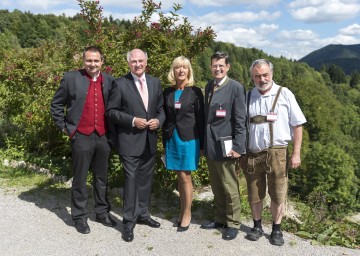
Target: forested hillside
[
  {"x": 35, "y": 50},
  {"x": 347, "y": 57},
  {"x": 27, "y": 30}
]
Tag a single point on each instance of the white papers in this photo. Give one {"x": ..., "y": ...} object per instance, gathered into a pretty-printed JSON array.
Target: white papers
[{"x": 228, "y": 146}]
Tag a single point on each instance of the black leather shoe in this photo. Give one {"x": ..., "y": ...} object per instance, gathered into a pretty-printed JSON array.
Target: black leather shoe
[
  {"x": 128, "y": 235},
  {"x": 82, "y": 227},
  {"x": 149, "y": 222},
  {"x": 182, "y": 229},
  {"x": 106, "y": 220},
  {"x": 230, "y": 233},
  {"x": 255, "y": 233},
  {"x": 212, "y": 224},
  {"x": 276, "y": 238}
]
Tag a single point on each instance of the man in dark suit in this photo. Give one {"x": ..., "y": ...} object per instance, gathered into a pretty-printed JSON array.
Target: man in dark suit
[
  {"x": 136, "y": 108},
  {"x": 84, "y": 93}
]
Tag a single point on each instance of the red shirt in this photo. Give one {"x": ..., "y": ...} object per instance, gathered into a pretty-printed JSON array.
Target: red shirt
[{"x": 93, "y": 115}]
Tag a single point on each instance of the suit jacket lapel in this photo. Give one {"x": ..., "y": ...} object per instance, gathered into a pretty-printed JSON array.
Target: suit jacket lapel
[
  {"x": 171, "y": 97},
  {"x": 151, "y": 90},
  {"x": 134, "y": 91},
  {"x": 105, "y": 87},
  {"x": 84, "y": 82},
  {"x": 184, "y": 97}
]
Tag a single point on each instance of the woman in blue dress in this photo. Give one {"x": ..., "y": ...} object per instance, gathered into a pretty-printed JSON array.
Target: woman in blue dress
[{"x": 183, "y": 132}]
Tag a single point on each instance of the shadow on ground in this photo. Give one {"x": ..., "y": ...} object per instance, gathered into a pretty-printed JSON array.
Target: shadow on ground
[{"x": 164, "y": 204}]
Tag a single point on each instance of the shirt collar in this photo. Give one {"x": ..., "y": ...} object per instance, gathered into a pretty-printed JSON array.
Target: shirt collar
[
  {"x": 136, "y": 78},
  {"x": 222, "y": 81},
  {"x": 95, "y": 78}
]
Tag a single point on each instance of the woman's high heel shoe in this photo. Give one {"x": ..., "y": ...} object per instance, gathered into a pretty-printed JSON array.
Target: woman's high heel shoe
[{"x": 182, "y": 229}]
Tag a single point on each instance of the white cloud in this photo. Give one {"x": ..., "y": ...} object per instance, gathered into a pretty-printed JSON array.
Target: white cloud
[
  {"x": 241, "y": 17},
  {"x": 298, "y": 35},
  {"x": 318, "y": 11},
  {"x": 121, "y": 16},
  {"x": 292, "y": 49},
  {"x": 39, "y": 5},
  {"x": 296, "y": 49},
  {"x": 137, "y": 4},
  {"x": 267, "y": 28},
  {"x": 6, "y": 3},
  {"x": 245, "y": 23},
  {"x": 339, "y": 39},
  {"x": 221, "y": 3},
  {"x": 245, "y": 37},
  {"x": 302, "y": 3},
  {"x": 67, "y": 12},
  {"x": 353, "y": 29}
]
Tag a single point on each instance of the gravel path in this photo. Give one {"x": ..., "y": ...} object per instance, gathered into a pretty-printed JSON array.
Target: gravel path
[{"x": 38, "y": 223}]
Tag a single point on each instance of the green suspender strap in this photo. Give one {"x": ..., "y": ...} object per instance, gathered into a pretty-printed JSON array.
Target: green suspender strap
[
  {"x": 271, "y": 129},
  {"x": 247, "y": 121}
]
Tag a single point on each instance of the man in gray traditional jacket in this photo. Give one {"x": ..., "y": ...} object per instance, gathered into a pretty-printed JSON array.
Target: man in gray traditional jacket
[{"x": 225, "y": 142}]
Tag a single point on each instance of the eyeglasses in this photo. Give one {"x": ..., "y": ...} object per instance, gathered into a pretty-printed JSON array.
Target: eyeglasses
[{"x": 218, "y": 66}]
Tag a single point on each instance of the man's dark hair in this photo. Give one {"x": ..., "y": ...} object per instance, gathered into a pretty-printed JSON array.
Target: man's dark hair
[
  {"x": 220, "y": 55},
  {"x": 93, "y": 48}
]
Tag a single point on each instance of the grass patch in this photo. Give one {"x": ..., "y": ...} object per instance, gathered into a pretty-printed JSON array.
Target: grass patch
[{"x": 21, "y": 177}]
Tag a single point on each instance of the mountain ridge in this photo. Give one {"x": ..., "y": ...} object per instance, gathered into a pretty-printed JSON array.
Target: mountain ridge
[{"x": 345, "y": 56}]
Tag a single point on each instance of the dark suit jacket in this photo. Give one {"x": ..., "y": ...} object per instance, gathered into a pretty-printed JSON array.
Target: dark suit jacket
[
  {"x": 189, "y": 119},
  {"x": 72, "y": 95},
  {"x": 124, "y": 104}
]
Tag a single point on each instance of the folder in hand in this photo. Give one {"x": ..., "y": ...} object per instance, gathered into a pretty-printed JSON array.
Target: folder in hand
[{"x": 226, "y": 145}]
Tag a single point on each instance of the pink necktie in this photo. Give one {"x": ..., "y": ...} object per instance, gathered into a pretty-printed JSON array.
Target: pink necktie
[{"x": 143, "y": 92}]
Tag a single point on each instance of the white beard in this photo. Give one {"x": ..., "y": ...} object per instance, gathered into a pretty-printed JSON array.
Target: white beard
[{"x": 263, "y": 87}]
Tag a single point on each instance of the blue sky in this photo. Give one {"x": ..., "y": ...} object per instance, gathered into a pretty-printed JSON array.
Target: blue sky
[{"x": 291, "y": 29}]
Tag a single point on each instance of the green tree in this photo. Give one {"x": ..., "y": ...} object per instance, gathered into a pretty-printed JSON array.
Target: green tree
[
  {"x": 8, "y": 41},
  {"x": 30, "y": 76},
  {"x": 330, "y": 171},
  {"x": 355, "y": 79},
  {"x": 336, "y": 74},
  {"x": 167, "y": 39}
]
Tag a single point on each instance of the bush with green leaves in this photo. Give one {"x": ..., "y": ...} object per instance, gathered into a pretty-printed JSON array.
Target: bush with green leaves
[
  {"x": 29, "y": 77},
  {"x": 328, "y": 172}
]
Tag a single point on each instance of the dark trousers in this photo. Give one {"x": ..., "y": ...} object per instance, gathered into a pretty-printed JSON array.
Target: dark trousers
[
  {"x": 139, "y": 173},
  {"x": 89, "y": 152}
]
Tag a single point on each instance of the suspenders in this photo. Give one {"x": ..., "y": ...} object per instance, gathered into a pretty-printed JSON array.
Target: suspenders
[
  {"x": 271, "y": 129},
  {"x": 262, "y": 119}
]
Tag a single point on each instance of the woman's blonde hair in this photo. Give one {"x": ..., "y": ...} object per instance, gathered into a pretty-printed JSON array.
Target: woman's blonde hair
[{"x": 177, "y": 62}]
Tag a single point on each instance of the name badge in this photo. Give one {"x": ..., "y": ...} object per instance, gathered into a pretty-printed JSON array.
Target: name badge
[
  {"x": 177, "y": 105},
  {"x": 271, "y": 117},
  {"x": 221, "y": 113}
]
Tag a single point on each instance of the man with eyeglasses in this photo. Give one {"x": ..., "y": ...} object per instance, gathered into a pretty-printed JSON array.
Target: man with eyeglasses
[
  {"x": 274, "y": 119},
  {"x": 225, "y": 136}
]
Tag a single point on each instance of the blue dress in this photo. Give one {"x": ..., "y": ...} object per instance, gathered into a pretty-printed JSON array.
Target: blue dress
[{"x": 181, "y": 155}]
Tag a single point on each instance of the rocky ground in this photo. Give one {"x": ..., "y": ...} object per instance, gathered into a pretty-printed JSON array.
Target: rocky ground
[{"x": 36, "y": 221}]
